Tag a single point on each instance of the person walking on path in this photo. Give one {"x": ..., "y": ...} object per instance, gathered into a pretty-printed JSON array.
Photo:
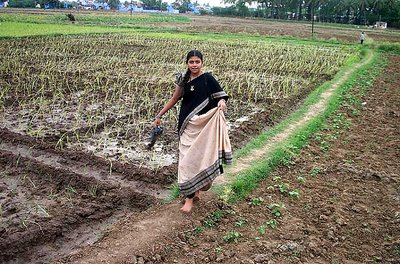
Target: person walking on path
[
  {"x": 204, "y": 143},
  {"x": 362, "y": 37}
]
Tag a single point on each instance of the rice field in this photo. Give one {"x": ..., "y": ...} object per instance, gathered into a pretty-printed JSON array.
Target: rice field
[{"x": 99, "y": 93}]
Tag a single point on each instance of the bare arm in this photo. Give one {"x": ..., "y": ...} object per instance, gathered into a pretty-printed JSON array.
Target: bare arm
[{"x": 171, "y": 102}]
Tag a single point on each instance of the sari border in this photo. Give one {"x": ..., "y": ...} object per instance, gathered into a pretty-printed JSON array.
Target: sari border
[{"x": 207, "y": 175}]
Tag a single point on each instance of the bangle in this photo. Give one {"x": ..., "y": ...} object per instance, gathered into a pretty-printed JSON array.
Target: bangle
[{"x": 157, "y": 116}]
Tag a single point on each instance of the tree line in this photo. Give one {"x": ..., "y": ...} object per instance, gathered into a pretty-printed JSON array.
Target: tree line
[{"x": 359, "y": 12}]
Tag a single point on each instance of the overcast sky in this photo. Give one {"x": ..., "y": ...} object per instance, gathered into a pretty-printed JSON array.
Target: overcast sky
[
  {"x": 201, "y": 2},
  {"x": 211, "y": 2}
]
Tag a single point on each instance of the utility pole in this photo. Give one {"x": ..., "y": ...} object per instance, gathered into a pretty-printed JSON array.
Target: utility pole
[{"x": 312, "y": 18}]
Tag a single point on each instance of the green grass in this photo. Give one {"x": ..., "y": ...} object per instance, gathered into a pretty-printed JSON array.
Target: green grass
[
  {"x": 390, "y": 48},
  {"x": 16, "y": 29},
  {"x": 94, "y": 18}
]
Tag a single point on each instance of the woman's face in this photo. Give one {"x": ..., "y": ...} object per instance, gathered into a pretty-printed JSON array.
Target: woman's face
[{"x": 195, "y": 64}]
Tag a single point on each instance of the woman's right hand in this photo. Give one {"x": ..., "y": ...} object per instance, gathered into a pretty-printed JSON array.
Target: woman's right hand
[{"x": 157, "y": 121}]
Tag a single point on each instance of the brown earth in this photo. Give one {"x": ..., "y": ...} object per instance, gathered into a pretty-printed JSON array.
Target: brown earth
[
  {"x": 54, "y": 202},
  {"x": 347, "y": 209}
]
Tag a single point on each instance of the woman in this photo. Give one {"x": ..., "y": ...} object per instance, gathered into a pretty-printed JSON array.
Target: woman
[{"x": 203, "y": 139}]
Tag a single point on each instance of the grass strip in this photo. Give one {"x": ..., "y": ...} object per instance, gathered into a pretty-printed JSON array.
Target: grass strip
[{"x": 17, "y": 29}]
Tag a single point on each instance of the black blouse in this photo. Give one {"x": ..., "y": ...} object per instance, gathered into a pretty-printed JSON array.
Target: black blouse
[{"x": 199, "y": 96}]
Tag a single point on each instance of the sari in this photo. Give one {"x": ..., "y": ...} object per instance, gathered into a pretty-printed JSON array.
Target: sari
[{"x": 204, "y": 144}]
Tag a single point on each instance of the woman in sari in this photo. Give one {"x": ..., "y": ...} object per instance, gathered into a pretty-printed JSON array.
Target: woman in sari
[{"x": 203, "y": 139}]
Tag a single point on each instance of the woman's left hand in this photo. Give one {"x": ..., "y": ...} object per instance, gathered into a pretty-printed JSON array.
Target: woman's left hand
[{"x": 222, "y": 105}]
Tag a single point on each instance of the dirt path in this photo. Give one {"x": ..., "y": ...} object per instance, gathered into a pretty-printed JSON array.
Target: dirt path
[{"x": 139, "y": 236}]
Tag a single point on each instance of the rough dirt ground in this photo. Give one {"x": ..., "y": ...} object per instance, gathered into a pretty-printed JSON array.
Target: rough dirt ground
[
  {"x": 81, "y": 206},
  {"x": 348, "y": 209}
]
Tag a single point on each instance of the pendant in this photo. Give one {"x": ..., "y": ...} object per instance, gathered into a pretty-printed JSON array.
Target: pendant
[{"x": 192, "y": 88}]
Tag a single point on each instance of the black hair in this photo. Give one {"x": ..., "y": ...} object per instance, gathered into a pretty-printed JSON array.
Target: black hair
[
  {"x": 193, "y": 53},
  {"x": 190, "y": 54}
]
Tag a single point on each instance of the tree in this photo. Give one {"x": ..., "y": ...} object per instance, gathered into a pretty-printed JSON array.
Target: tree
[
  {"x": 113, "y": 4},
  {"x": 337, "y": 11},
  {"x": 152, "y": 4},
  {"x": 22, "y": 3},
  {"x": 50, "y": 3},
  {"x": 184, "y": 6},
  {"x": 242, "y": 9}
]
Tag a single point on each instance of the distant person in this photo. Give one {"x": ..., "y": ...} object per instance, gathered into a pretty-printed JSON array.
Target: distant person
[
  {"x": 362, "y": 37},
  {"x": 204, "y": 144}
]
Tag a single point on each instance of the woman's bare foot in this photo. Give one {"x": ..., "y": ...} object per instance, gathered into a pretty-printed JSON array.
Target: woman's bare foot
[{"x": 187, "y": 206}]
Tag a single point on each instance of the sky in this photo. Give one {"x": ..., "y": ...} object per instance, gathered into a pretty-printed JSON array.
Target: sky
[
  {"x": 211, "y": 2},
  {"x": 202, "y": 2}
]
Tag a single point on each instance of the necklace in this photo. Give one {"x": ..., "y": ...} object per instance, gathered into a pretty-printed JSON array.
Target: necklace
[{"x": 191, "y": 79}]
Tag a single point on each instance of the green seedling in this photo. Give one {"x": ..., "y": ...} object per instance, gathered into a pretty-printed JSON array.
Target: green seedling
[
  {"x": 213, "y": 218},
  {"x": 325, "y": 146},
  {"x": 349, "y": 161},
  {"x": 277, "y": 178},
  {"x": 276, "y": 209},
  {"x": 198, "y": 230},
  {"x": 315, "y": 171},
  {"x": 388, "y": 237},
  {"x": 226, "y": 194},
  {"x": 218, "y": 249},
  {"x": 272, "y": 223},
  {"x": 301, "y": 179},
  {"x": 241, "y": 222},
  {"x": 256, "y": 201},
  {"x": 287, "y": 161},
  {"x": 270, "y": 188},
  {"x": 233, "y": 236},
  {"x": 283, "y": 188},
  {"x": 294, "y": 194},
  {"x": 396, "y": 249},
  {"x": 261, "y": 229}
]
